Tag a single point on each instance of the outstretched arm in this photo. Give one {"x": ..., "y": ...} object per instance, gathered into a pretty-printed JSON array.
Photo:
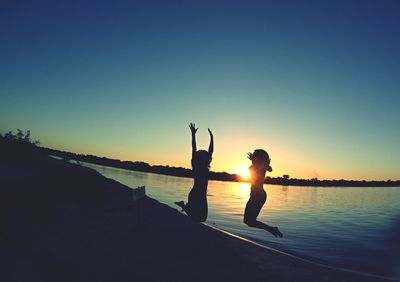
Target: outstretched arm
[
  {"x": 211, "y": 147},
  {"x": 193, "y": 129}
]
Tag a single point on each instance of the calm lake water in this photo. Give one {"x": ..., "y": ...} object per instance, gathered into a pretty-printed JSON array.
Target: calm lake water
[{"x": 353, "y": 228}]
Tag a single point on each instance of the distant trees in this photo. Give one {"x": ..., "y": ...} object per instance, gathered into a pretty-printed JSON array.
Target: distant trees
[
  {"x": 19, "y": 137},
  {"x": 223, "y": 176},
  {"x": 138, "y": 165},
  {"x": 17, "y": 146},
  {"x": 20, "y": 144}
]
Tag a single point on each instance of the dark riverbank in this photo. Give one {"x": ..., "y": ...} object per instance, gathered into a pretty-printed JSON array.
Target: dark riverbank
[
  {"x": 64, "y": 222},
  {"x": 221, "y": 176}
]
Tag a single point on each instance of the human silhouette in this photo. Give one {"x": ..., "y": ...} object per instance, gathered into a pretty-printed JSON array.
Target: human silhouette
[
  {"x": 260, "y": 165},
  {"x": 196, "y": 207}
]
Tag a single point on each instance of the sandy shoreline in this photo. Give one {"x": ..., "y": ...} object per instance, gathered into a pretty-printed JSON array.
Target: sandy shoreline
[{"x": 63, "y": 222}]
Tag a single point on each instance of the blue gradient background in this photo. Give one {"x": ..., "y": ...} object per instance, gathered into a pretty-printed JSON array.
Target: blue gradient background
[{"x": 316, "y": 83}]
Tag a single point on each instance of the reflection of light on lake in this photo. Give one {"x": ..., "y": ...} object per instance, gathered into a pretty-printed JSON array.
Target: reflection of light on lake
[{"x": 244, "y": 190}]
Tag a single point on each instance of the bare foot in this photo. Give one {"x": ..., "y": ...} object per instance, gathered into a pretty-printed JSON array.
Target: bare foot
[
  {"x": 181, "y": 204},
  {"x": 275, "y": 231}
]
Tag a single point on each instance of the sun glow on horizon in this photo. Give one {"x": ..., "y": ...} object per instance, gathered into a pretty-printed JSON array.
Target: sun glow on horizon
[{"x": 243, "y": 171}]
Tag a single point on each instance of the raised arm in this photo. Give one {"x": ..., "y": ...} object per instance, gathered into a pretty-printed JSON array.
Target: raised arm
[
  {"x": 193, "y": 129},
  {"x": 211, "y": 147}
]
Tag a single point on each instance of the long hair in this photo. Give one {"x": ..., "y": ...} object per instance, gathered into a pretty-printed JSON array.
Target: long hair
[{"x": 260, "y": 157}]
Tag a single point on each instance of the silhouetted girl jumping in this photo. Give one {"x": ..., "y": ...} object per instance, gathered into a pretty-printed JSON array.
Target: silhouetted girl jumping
[
  {"x": 260, "y": 165},
  {"x": 196, "y": 207}
]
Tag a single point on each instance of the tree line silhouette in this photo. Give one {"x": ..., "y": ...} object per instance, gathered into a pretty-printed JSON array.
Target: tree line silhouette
[
  {"x": 25, "y": 145},
  {"x": 222, "y": 176},
  {"x": 138, "y": 165}
]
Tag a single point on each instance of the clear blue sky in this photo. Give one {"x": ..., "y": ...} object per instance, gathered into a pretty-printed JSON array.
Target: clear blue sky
[{"x": 315, "y": 83}]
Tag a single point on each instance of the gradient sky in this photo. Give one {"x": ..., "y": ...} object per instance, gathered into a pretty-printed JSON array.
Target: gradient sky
[{"x": 315, "y": 83}]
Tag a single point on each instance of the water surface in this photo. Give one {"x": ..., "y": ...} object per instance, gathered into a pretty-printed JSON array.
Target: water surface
[{"x": 355, "y": 228}]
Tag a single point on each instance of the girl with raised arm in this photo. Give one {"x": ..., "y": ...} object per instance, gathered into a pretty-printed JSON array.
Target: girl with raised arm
[
  {"x": 196, "y": 207},
  {"x": 260, "y": 165}
]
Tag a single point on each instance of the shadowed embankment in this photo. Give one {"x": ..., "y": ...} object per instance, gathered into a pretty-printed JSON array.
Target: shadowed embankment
[{"x": 63, "y": 222}]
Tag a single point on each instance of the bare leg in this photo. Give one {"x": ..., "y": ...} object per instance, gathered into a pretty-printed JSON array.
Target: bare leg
[
  {"x": 258, "y": 224},
  {"x": 253, "y": 208}
]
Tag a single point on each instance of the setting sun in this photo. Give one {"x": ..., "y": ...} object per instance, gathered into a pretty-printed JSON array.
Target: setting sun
[{"x": 243, "y": 171}]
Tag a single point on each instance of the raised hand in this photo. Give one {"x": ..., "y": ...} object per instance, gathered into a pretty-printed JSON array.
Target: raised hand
[
  {"x": 193, "y": 128},
  {"x": 211, "y": 146},
  {"x": 250, "y": 156}
]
